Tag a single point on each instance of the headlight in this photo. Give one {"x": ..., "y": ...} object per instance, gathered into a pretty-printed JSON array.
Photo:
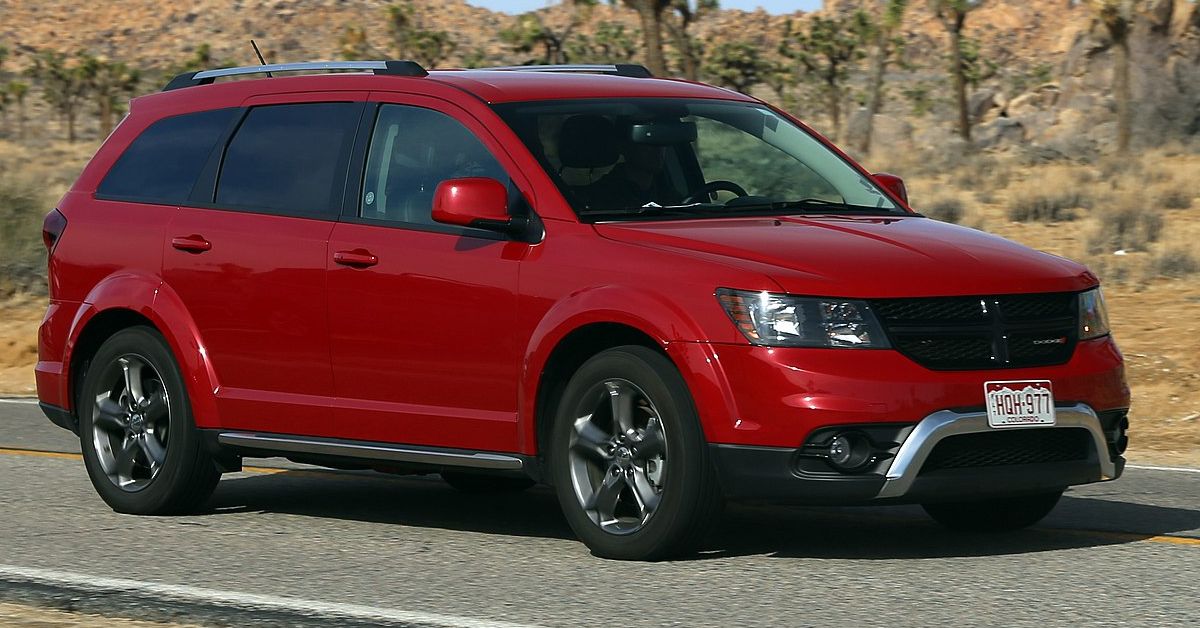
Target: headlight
[
  {"x": 780, "y": 320},
  {"x": 1093, "y": 316}
]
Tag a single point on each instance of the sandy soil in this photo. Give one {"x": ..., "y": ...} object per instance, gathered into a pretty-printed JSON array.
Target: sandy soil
[{"x": 21, "y": 616}]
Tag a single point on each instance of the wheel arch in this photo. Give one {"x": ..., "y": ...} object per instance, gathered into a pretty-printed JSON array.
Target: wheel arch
[
  {"x": 129, "y": 300},
  {"x": 571, "y": 351}
]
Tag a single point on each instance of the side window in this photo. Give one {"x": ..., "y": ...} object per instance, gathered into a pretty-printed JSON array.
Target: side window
[
  {"x": 163, "y": 163},
  {"x": 290, "y": 159},
  {"x": 412, "y": 151}
]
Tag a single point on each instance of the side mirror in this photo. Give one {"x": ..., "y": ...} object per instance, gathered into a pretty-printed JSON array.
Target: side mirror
[
  {"x": 473, "y": 202},
  {"x": 892, "y": 184}
]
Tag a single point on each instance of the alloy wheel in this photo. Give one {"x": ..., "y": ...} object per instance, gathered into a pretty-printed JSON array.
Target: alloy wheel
[
  {"x": 618, "y": 456},
  {"x": 131, "y": 422}
]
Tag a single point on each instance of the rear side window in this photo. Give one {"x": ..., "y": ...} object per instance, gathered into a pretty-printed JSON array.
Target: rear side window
[
  {"x": 163, "y": 163},
  {"x": 289, "y": 159}
]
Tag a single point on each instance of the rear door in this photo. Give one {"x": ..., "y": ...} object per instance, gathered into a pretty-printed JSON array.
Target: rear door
[
  {"x": 423, "y": 314},
  {"x": 247, "y": 258}
]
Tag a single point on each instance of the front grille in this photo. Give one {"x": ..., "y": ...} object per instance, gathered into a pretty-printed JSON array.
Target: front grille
[
  {"x": 1018, "y": 446},
  {"x": 990, "y": 332}
]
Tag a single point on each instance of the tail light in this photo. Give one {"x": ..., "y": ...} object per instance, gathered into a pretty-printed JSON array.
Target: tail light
[{"x": 52, "y": 229}]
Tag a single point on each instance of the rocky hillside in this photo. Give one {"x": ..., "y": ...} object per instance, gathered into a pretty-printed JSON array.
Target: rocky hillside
[{"x": 1050, "y": 83}]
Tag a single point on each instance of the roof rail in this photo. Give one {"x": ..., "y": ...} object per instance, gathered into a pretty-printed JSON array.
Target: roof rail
[
  {"x": 618, "y": 69},
  {"x": 389, "y": 68}
]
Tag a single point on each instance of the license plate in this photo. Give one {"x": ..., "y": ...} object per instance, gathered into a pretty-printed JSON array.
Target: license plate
[{"x": 1019, "y": 403}]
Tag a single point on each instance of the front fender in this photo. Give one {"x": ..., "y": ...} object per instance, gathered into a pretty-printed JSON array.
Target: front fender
[{"x": 664, "y": 321}]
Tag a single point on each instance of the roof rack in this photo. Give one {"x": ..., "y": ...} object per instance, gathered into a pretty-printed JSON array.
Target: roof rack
[
  {"x": 618, "y": 69},
  {"x": 388, "y": 68}
]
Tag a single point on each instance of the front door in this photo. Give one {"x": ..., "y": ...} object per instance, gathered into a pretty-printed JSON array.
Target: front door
[{"x": 423, "y": 313}]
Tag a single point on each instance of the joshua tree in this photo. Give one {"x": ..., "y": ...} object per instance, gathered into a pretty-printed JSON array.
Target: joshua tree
[
  {"x": 825, "y": 50},
  {"x": 532, "y": 31},
  {"x": 17, "y": 91},
  {"x": 110, "y": 83},
  {"x": 953, "y": 15},
  {"x": 736, "y": 65},
  {"x": 685, "y": 13},
  {"x": 611, "y": 42},
  {"x": 64, "y": 86},
  {"x": 650, "y": 12},
  {"x": 886, "y": 17},
  {"x": 1117, "y": 16}
]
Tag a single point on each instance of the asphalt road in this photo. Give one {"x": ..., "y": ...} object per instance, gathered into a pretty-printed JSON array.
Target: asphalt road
[{"x": 343, "y": 547}]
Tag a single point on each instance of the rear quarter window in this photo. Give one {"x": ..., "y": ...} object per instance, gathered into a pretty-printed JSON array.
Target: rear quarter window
[{"x": 163, "y": 163}]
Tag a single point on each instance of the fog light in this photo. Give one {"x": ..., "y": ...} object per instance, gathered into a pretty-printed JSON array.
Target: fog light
[{"x": 850, "y": 451}]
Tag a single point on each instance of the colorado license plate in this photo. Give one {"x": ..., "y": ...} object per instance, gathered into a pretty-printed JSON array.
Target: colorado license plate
[{"x": 1019, "y": 403}]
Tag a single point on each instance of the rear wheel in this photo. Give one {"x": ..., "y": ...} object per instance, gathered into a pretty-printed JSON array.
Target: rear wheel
[
  {"x": 142, "y": 451},
  {"x": 481, "y": 483},
  {"x": 994, "y": 515},
  {"x": 629, "y": 461}
]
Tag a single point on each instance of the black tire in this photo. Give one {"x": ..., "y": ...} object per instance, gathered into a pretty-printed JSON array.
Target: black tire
[
  {"x": 483, "y": 483},
  {"x": 185, "y": 475},
  {"x": 994, "y": 515},
  {"x": 685, "y": 492}
]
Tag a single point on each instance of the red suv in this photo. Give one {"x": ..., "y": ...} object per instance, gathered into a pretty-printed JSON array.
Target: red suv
[{"x": 653, "y": 295}]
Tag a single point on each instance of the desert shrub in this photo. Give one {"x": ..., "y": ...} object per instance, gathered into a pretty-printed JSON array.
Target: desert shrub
[
  {"x": 1174, "y": 262},
  {"x": 1043, "y": 205},
  {"x": 1174, "y": 197},
  {"x": 947, "y": 209},
  {"x": 21, "y": 257},
  {"x": 985, "y": 195},
  {"x": 1130, "y": 227}
]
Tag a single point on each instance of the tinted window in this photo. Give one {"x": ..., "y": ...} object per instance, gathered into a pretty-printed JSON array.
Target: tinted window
[
  {"x": 162, "y": 164},
  {"x": 289, "y": 159},
  {"x": 412, "y": 151}
]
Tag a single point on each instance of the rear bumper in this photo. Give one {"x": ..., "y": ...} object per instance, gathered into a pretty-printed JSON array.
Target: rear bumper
[
  {"x": 781, "y": 474},
  {"x": 60, "y": 416}
]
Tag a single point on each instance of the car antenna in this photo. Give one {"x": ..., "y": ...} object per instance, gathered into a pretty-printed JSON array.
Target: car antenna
[{"x": 260, "y": 57}]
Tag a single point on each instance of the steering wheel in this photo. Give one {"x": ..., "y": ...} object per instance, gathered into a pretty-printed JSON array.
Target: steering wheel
[{"x": 706, "y": 191}]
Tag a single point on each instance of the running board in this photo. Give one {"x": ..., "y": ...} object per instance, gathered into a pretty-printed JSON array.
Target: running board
[{"x": 370, "y": 451}]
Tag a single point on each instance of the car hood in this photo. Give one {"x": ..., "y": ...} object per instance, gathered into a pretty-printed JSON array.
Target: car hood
[{"x": 859, "y": 256}]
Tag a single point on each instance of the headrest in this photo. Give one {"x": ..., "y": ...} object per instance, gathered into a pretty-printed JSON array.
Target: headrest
[{"x": 588, "y": 141}]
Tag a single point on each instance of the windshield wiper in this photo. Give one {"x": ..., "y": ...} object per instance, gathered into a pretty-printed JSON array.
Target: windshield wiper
[{"x": 806, "y": 204}]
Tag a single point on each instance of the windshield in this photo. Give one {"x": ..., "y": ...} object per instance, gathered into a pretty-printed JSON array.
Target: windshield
[{"x": 649, "y": 158}]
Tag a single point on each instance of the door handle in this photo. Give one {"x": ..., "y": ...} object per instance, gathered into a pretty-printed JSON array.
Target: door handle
[
  {"x": 358, "y": 258},
  {"x": 192, "y": 244}
]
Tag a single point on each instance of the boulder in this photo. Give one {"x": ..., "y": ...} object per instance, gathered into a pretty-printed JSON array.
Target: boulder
[{"x": 1000, "y": 133}]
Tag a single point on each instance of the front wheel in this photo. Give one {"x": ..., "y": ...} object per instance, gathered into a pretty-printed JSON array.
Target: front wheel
[
  {"x": 142, "y": 451},
  {"x": 994, "y": 515},
  {"x": 628, "y": 458}
]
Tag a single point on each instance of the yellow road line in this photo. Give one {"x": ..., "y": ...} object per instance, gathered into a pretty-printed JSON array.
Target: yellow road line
[
  {"x": 1119, "y": 536},
  {"x": 37, "y": 453}
]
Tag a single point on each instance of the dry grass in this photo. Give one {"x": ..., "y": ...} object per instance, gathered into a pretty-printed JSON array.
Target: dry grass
[{"x": 945, "y": 209}]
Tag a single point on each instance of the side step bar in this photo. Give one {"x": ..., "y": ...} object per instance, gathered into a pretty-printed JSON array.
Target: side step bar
[{"x": 371, "y": 451}]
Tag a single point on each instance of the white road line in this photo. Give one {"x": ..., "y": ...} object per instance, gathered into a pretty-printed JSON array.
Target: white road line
[
  {"x": 24, "y": 402},
  {"x": 1153, "y": 468},
  {"x": 244, "y": 601}
]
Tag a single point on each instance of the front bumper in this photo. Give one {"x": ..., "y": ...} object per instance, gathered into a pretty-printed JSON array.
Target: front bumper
[{"x": 778, "y": 474}]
